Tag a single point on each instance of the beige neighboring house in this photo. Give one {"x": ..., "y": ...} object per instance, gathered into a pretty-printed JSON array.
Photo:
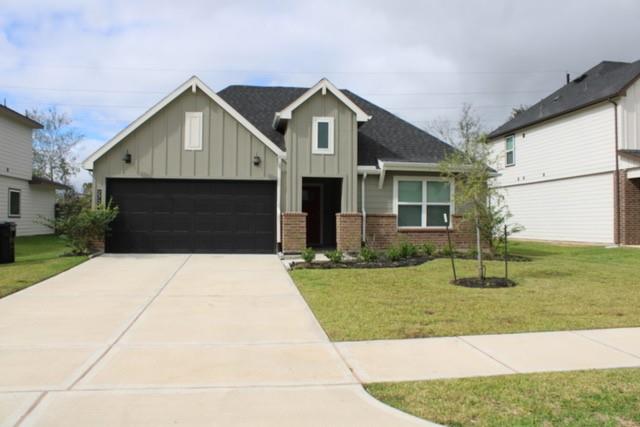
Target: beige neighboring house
[
  {"x": 23, "y": 197},
  {"x": 266, "y": 169}
]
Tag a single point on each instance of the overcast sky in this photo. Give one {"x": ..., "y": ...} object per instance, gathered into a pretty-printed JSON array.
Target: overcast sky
[{"x": 106, "y": 62}]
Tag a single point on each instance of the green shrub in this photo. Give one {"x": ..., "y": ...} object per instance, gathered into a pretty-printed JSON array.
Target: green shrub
[
  {"x": 472, "y": 253},
  {"x": 82, "y": 228},
  {"x": 308, "y": 255},
  {"x": 407, "y": 250},
  {"x": 367, "y": 254},
  {"x": 334, "y": 256},
  {"x": 448, "y": 250},
  {"x": 427, "y": 249},
  {"x": 393, "y": 254}
]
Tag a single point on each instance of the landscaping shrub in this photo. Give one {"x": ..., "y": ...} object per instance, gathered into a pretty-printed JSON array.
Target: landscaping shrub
[
  {"x": 367, "y": 254},
  {"x": 427, "y": 249},
  {"x": 334, "y": 256},
  {"x": 393, "y": 254},
  {"x": 81, "y": 228},
  {"x": 407, "y": 250},
  {"x": 472, "y": 253},
  {"x": 447, "y": 250},
  {"x": 308, "y": 255}
]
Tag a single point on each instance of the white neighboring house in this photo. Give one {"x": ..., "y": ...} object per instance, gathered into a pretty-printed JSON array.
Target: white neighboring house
[
  {"x": 23, "y": 197},
  {"x": 558, "y": 160}
]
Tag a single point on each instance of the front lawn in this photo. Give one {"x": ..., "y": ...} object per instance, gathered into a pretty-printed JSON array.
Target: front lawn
[
  {"x": 584, "y": 398},
  {"x": 563, "y": 287},
  {"x": 37, "y": 258}
]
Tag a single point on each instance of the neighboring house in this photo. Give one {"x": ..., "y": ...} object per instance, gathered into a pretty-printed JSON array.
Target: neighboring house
[
  {"x": 261, "y": 169},
  {"x": 559, "y": 159},
  {"x": 24, "y": 198}
]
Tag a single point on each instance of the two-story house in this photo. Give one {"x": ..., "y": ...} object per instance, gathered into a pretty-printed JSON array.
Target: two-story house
[
  {"x": 263, "y": 169},
  {"x": 570, "y": 164},
  {"x": 24, "y": 198}
]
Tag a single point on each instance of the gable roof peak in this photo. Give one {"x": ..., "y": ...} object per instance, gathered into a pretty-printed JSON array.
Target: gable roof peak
[{"x": 323, "y": 85}]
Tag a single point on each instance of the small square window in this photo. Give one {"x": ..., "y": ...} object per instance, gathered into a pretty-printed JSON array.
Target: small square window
[
  {"x": 14, "y": 203},
  {"x": 322, "y": 138}
]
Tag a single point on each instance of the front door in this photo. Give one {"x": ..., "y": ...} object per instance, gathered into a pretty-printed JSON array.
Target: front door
[{"x": 312, "y": 205}]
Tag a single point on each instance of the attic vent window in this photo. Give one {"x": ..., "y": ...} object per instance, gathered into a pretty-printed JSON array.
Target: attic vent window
[{"x": 193, "y": 131}]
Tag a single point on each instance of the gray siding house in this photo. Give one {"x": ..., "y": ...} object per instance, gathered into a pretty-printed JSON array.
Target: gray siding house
[
  {"x": 266, "y": 169},
  {"x": 23, "y": 197}
]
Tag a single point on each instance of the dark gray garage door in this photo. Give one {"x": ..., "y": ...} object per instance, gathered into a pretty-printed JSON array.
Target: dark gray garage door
[{"x": 183, "y": 216}]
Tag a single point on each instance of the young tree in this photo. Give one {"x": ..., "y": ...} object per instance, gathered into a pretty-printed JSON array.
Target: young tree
[
  {"x": 470, "y": 168},
  {"x": 53, "y": 145}
]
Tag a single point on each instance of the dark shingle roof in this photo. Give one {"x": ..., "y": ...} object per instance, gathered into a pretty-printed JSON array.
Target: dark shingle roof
[
  {"x": 8, "y": 112},
  {"x": 384, "y": 137},
  {"x": 605, "y": 80}
]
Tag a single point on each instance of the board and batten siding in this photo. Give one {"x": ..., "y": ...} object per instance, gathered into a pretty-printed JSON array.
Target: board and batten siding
[
  {"x": 157, "y": 147},
  {"x": 16, "y": 153},
  {"x": 302, "y": 163},
  {"x": 35, "y": 201},
  {"x": 561, "y": 186}
]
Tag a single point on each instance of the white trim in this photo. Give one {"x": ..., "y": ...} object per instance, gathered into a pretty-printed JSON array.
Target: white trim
[
  {"x": 188, "y": 116},
  {"x": 633, "y": 174},
  {"x": 314, "y": 135},
  {"x": 19, "y": 214},
  {"x": 322, "y": 85},
  {"x": 191, "y": 83},
  {"x": 278, "y": 200},
  {"x": 364, "y": 208},
  {"x": 425, "y": 203},
  {"x": 370, "y": 170}
]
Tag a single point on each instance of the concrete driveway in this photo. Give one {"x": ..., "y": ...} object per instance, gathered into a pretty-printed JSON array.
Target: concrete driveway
[{"x": 174, "y": 340}]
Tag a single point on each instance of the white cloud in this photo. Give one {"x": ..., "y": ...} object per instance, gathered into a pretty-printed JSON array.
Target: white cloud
[{"x": 131, "y": 53}]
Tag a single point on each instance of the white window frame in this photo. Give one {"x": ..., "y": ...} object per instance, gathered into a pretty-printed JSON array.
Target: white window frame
[
  {"x": 425, "y": 203},
  {"x": 512, "y": 151},
  {"x": 9, "y": 214},
  {"x": 314, "y": 135},
  {"x": 187, "y": 130}
]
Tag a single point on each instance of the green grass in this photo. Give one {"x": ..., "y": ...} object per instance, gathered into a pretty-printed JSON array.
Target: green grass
[
  {"x": 37, "y": 258},
  {"x": 584, "y": 398},
  {"x": 563, "y": 287}
]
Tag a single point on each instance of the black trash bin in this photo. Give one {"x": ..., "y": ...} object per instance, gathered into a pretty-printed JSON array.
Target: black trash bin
[{"x": 7, "y": 242}]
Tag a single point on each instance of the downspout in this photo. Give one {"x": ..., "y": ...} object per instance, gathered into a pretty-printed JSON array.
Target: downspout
[
  {"x": 617, "y": 181},
  {"x": 364, "y": 210},
  {"x": 278, "y": 213}
]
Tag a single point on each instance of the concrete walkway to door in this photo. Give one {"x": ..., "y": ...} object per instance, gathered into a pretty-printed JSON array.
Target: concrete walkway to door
[{"x": 174, "y": 340}]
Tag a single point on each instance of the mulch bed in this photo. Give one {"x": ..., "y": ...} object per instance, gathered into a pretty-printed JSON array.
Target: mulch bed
[
  {"x": 488, "y": 282},
  {"x": 408, "y": 262}
]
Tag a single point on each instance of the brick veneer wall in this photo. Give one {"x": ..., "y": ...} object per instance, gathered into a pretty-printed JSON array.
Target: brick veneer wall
[
  {"x": 294, "y": 231},
  {"x": 348, "y": 232},
  {"x": 629, "y": 210},
  {"x": 382, "y": 232}
]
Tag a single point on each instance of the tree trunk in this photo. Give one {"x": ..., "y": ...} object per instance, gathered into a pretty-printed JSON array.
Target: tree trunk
[{"x": 479, "y": 248}]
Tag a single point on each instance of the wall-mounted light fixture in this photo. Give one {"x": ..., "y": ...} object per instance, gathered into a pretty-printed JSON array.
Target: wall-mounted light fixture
[
  {"x": 257, "y": 160},
  {"x": 127, "y": 158}
]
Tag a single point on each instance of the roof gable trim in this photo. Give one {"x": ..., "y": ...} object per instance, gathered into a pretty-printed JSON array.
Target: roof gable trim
[
  {"x": 193, "y": 83},
  {"x": 323, "y": 85}
]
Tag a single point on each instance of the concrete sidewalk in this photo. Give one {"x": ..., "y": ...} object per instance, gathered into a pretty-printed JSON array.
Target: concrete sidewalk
[{"x": 485, "y": 355}]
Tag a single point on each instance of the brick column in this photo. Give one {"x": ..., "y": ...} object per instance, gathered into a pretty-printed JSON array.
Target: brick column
[
  {"x": 348, "y": 232},
  {"x": 629, "y": 210},
  {"x": 294, "y": 231}
]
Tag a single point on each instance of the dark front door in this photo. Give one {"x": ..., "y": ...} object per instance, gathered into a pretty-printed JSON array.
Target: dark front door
[
  {"x": 184, "y": 216},
  {"x": 312, "y": 205}
]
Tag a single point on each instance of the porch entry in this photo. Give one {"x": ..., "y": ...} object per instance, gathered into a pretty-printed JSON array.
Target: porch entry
[{"x": 321, "y": 202}]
